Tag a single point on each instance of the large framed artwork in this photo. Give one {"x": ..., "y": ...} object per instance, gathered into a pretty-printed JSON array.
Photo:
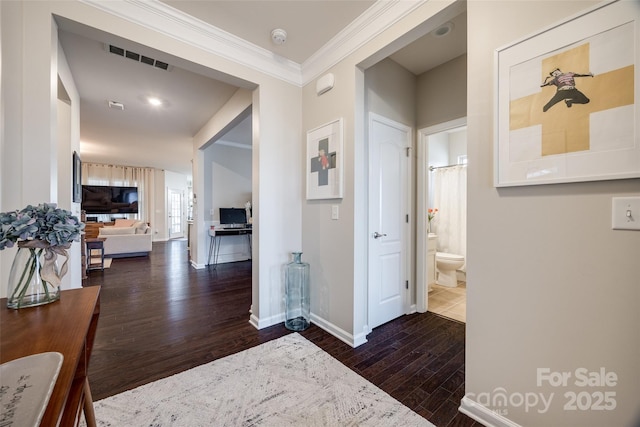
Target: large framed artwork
[
  {"x": 325, "y": 161},
  {"x": 77, "y": 178},
  {"x": 567, "y": 101}
]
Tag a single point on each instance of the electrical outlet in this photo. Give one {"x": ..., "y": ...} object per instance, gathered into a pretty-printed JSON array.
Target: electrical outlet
[{"x": 625, "y": 213}]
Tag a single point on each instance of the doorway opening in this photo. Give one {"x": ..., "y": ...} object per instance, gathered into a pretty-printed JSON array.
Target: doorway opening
[
  {"x": 443, "y": 198},
  {"x": 175, "y": 209}
]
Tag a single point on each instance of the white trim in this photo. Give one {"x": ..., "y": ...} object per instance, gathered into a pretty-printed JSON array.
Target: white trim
[
  {"x": 341, "y": 334},
  {"x": 375, "y": 20},
  {"x": 176, "y": 24},
  {"x": 484, "y": 415},
  {"x": 196, "y": 265},
  {"x": 261, "y": 323},
  {"x": 157, "y": 16},
  {"x": 232, "y": 257},
  {"x": 422, "y": 238},
  {"x": 408, "y": 197}
]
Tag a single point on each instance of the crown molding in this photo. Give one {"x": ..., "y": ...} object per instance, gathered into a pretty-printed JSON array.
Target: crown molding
[
  {"x": 159, "y": 17},
  {"x": 375, "y": 20}
]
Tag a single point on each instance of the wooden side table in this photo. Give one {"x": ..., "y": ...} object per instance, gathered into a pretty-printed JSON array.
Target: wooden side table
[
  {"x": 95, "y": 243},
  {"x": 67, "y": 326}
]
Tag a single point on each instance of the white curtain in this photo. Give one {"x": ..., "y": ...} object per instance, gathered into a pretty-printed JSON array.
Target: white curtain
[
  {"x": 126, "y": 176},
  {"x": 450, "y": 198}
]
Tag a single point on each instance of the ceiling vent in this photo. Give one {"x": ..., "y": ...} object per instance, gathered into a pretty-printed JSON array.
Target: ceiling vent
[
  {"x": 116, "y": 105},
  {"x": 138, "y": 58}
]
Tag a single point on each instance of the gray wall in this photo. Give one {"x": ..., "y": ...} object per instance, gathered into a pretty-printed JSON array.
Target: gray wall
[
  {"x": 442, "y": 93},
  {"x": 549, "y": 284},
  {"x": 391, "y": 92}
]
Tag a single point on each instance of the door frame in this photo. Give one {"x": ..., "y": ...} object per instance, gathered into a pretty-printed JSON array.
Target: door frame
[
  {"x": 408, "y": 261},
  {"x": 422, "y": 190}
]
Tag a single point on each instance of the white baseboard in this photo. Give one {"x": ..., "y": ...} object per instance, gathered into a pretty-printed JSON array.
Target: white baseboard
[
  {"x": 261, "y": 323},
  {"x": 221, "y": 260},
  {"x": 483, "y": 415},
  {"x": 196, "y": 265},
  {"x": 341, "y": 334},
  {"x": 233, "y": 257}
]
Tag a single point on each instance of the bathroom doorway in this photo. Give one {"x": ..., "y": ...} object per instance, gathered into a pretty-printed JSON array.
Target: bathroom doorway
[{"x": 442, "y": 190}]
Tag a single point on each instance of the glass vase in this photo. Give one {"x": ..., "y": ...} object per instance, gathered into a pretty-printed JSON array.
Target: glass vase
[
  {"x": 26, "y": 287},
  {"x": 297, "y": 309}
]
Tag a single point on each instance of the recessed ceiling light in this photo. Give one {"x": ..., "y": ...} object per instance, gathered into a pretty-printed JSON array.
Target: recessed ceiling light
[
  {"x": 156, "y": 102},
  {"x": 443, "y": 30}
]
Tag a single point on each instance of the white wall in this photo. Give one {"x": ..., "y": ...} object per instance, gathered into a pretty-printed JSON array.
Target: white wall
[
  {"x": 230, "y": 187},
  {"x": 68, "y": 142},
  {"x": 230, "y": 178},
  {"x": 232, "y": 113},
  {"x": 35, "y": 166},
  {"x": 549, "y": 284},
  {"x": 457, "y": 145}
]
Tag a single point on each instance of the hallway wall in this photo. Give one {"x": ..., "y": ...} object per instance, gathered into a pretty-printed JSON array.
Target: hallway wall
[{"x": 550, "y": 284}]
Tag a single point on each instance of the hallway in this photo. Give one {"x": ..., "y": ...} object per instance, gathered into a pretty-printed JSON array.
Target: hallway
[{"x": 159, "y": 317}]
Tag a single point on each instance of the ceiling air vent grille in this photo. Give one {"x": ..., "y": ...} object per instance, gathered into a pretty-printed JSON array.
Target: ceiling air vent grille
[{"x": 138, "y": 58}]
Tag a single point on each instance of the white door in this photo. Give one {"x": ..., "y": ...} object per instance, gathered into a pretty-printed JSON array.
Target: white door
[
  {"x": 389, "y": 171},
  {"x": 175, "y": 214}
]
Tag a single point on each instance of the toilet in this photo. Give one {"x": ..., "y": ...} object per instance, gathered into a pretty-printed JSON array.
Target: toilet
[{"x": 446, "y": 266}]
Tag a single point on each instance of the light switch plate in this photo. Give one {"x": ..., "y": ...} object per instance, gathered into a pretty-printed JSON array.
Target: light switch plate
[
  {"x": 625, "y": 213},
  {"x": 334, "y": 212}
]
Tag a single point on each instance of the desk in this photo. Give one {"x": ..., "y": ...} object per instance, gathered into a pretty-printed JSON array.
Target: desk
[
  {"x": 95, "y": 243},
  {"x": 219, "y": 233},
  {"x": 67, "y": 326}
]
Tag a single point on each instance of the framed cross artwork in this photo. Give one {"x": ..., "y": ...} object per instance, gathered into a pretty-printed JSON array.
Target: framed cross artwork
[
  {"x": 325, "y": 161},
  {"x": 566, "y": 107}
]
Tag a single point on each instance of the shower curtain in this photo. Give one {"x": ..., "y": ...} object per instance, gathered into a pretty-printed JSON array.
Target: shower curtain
[{"x": 450, "y": 198}]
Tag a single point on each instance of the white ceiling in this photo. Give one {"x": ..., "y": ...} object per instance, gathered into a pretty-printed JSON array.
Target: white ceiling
[{"x": 161, "y": 137}]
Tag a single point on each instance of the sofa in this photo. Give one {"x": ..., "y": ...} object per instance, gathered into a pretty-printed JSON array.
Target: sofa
[{"x": 126, "y": 238}]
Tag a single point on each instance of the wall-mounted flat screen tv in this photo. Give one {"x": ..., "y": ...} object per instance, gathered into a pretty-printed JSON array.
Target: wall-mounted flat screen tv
[{"x": 102, "y": 199}]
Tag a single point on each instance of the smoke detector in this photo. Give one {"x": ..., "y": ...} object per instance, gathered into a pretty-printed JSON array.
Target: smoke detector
[{"x": 279, "y": 36}]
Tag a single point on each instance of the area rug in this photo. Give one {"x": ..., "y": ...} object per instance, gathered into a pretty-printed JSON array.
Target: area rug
[{"x": 286, "y": 382}]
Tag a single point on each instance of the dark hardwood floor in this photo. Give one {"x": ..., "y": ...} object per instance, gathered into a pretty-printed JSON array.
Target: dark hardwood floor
[{"x": 159, "y": 316}]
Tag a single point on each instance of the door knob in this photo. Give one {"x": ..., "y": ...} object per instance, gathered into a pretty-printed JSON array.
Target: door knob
[{"x": 377, "y": 235}]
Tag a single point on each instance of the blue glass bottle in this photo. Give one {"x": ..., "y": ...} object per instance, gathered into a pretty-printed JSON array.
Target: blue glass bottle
[{"x": 297, "y": 309}]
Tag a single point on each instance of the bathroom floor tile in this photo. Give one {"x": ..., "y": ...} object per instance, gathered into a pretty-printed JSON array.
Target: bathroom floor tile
[{"x": 449, "y": 302}]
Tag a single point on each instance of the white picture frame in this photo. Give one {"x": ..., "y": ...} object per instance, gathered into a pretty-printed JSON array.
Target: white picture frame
[
  {"x": 325, "y": 161},
  {"x": 588, "y": 132}
]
